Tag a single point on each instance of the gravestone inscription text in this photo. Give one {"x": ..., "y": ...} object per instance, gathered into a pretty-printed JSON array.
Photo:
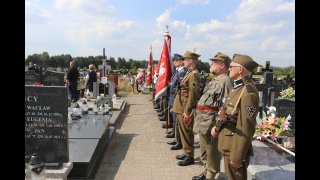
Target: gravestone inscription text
[{"x": 46, "y": 126}]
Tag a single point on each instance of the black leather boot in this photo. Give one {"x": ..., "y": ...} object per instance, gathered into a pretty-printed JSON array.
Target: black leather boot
[
  {"x": 180, "y": 156},
  {"x": 169, "y": 136},
  {"x": 173, "y": 142},
  {"x": 188, "y": 160},
  {"x": 177, "y": 146},
  {"x": 201, "y": 176}
]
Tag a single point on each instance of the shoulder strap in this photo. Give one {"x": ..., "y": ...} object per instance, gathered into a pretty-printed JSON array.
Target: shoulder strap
[
  {"x": 238, "y": 100},
  {"x": 187, "y": 75}
]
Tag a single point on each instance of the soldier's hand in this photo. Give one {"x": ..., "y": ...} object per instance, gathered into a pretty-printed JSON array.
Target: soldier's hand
[
  {"x": 187, "y": 119},
  {"x": 234, "y": 164},
  {"x": 214, "y": 132}
]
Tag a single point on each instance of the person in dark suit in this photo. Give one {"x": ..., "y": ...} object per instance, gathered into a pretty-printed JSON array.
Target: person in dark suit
[{"x": 72, "y": 80}]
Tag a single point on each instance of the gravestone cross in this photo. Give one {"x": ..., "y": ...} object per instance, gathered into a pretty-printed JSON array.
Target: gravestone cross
[
  {"x": 104, "y": 64},
  {"x": 267, "y": 88}
]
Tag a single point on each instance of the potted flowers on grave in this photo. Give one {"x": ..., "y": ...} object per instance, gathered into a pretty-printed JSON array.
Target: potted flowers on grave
[{"x": 272, "y": 127}]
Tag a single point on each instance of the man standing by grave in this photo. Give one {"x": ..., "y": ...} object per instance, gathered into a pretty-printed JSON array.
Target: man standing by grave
[
  {"x": 184, "y": 104},
  {"x": 213, "y": 97},
  {"x": 237, "y": 119},
  {"x": 72, "y": 80}
]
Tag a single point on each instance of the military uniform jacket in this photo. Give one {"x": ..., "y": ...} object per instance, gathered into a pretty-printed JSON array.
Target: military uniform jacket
[
  {"x": 175, "y": 83},
  {"x": 188, "y": 93},
  {"x": 213, "y": 95},
  {"x": 236, "y": 141}
]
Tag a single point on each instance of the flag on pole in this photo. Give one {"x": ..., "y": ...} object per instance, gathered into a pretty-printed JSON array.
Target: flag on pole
[
  {"x": 164, "y": 68},
  {"x": 150, "y": 71}
]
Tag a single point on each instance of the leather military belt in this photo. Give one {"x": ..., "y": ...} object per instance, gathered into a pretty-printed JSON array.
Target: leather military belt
[
  {"x": 232, "y": 122},
  {"x": 208, "y": 108}
]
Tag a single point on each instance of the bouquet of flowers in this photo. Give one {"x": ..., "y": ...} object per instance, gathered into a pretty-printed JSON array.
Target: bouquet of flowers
[
  {"x": 37, "y": 84},
  {"x": 288, "y": 93},
  {"x": 272, "y": 127}
]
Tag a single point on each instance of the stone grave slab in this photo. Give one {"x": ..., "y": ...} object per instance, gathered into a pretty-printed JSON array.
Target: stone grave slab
[
  {"x": 89, "y": 126},
  {"x": 53, "y": 78},
  {"x": 46, "y": 127},
  {"x": 267, "y": 163},
  {"x": 88, "y": 138},
  {"x": 284, "y": 108},
  {"x": 31, "y": 77},
  {"x": 82, "y": 149}
]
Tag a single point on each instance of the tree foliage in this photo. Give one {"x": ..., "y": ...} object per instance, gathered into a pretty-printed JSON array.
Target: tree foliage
[{"x": 45, "y": 60}]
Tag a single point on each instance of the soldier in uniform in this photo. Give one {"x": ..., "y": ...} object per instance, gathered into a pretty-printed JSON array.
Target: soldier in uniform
[
  {"x": 177, "y": 77},
  {"x": 184, "y": 104},
  {"x": 214, "y": 93},
  {"x": 236, "y": 122}
]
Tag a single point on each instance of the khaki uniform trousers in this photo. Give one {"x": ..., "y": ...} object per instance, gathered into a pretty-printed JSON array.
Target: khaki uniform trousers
[
  {"x": 203, "y": 153},
  {"x": 236, "y": 174},
  {"x": 186, "y": 135},
  {"x": 213, "y": 155}
]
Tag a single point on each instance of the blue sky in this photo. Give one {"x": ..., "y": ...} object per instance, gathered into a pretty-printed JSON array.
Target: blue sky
[{"x": 262, "y": 29}]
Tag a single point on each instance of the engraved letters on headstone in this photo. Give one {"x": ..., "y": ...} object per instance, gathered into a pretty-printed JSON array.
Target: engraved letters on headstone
[{"x": 46, "y": 127}]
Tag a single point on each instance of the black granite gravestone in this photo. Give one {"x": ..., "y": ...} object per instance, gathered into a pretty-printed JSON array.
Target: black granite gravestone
[
  {"x": 46, "y": 127},
  {"x": 30, "y": 77},
  {"x": 268, "y": 86},
  {"x": 284, "y": 108},
  {"x": 88, "y": 138},
  {"x": 52, "y": 78}
]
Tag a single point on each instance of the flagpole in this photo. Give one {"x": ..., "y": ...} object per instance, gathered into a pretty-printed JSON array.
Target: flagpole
[{"x": 166, "y": 104}]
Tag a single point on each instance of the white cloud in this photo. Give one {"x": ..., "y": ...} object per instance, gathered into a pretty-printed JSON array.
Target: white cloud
[
  {"x": 213, "y": 25},
  {"x": 270, "y": 41},
  {"x": 163, "y": 19},
  {"x": 280, "y": 45},
  {"x": 61, "y": 4},
  {"x": 185, "y": 2},
  {"x": 256, "y": 11},
  {"x": 286, "y": 7},
  {"x": 263, "y": 29},
  {"x": 213, "y": 38},
  {"x": 96, "y": 7}
]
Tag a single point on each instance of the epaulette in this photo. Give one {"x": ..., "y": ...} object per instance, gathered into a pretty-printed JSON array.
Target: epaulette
[{"x": 249, "y": 88}]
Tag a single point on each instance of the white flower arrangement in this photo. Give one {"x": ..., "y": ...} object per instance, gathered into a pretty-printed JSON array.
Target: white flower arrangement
[{"x": 288, "y": 93}]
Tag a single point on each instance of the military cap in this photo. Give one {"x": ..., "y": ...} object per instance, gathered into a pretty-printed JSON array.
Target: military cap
[
  {"x": 191, "y": 55},
  {"x": 177, "y": 57},
  {"x": 222, "y": 57},
  {"x": 245, "y": 61}
]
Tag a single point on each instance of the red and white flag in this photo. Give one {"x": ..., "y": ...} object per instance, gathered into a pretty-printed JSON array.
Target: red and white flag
[
  {"x": 150, "y": 71},
  {"x": 164, "y": 68}
]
